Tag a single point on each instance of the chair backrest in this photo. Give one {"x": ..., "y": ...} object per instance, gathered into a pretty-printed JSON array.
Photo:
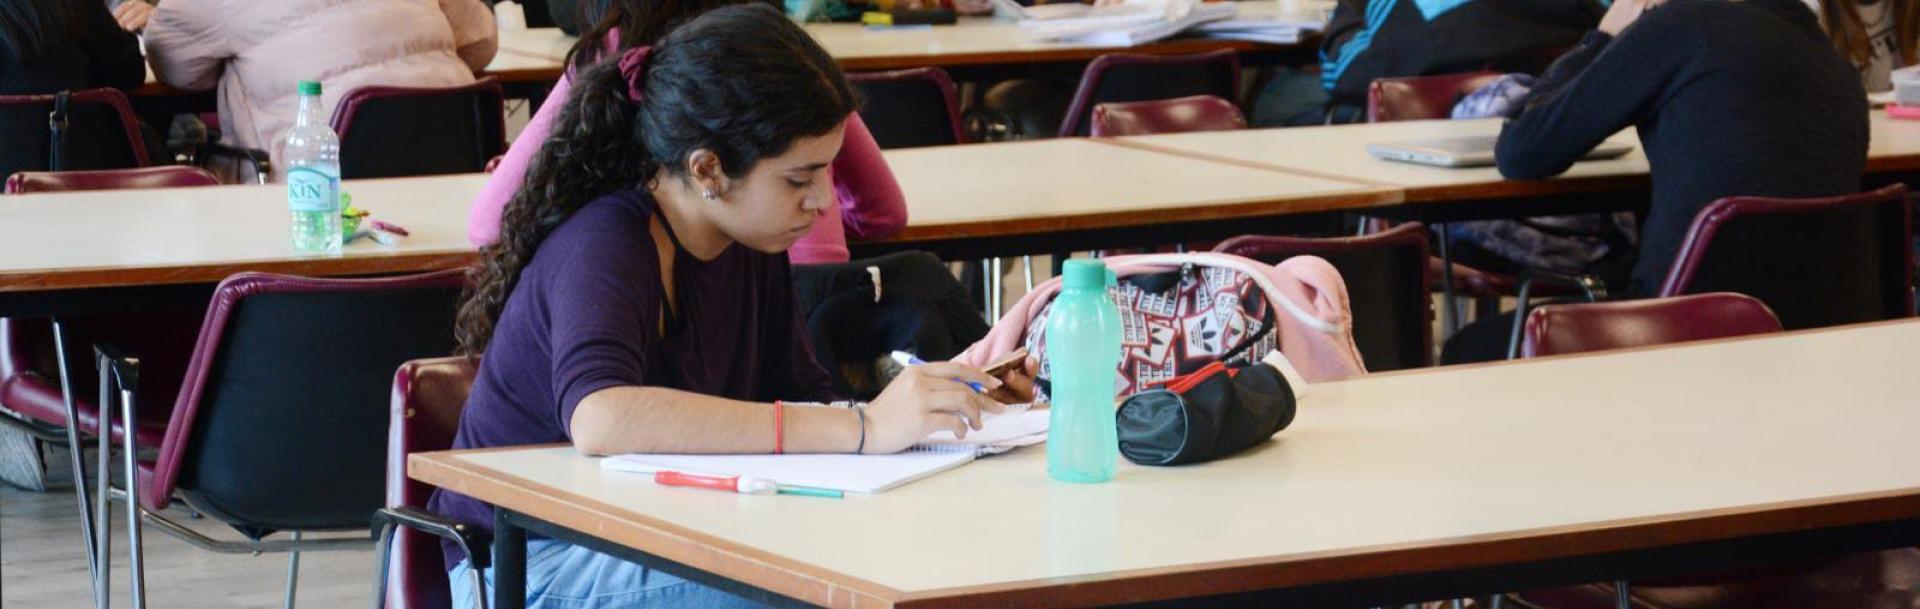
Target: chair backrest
[
  {"x": 1181, "y": 115},
  {"x": 164, "y": 176},
  {"x": 413, "y": 131},
  {"x": 1421, "y": 97},
  {"x": 1815, "y": 262},
  {"x": 910, "y": 108},
  {"x": 282, "y": 410},
  {"x": 101, "y": 132},
  {"x": 1598, "y": 326},
  {"x": 1386, "y": 274},
  {"x": 1122, "y": 77},
  {"x": 428, "y": 396}
]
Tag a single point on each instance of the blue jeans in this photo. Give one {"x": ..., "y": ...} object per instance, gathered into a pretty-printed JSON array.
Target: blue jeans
[{"x": 561, "y": 575}]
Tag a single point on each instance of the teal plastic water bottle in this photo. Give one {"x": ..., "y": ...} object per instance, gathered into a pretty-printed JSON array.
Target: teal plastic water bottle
[
  {"x": 312, "y": 154},
  {"x": 1083, "y": 354}
]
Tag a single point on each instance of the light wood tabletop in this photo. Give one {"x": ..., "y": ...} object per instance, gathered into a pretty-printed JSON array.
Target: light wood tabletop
[
  {"x": 1045, "y": 186},
  {"x": 1389, "y": 475},
  {"x": 972, "y": 41},
  {"x": 195, "y": 235},
  {"x": 1340, "y": 151}
]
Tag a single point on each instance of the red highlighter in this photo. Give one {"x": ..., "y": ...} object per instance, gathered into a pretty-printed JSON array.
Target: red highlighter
[{"x": 744, "y": 485}]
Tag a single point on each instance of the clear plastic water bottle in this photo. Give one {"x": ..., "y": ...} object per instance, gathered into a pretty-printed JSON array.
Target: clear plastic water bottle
[
  {"x": 312, "y": 154},
  {"x": 1083, "y": 354}
]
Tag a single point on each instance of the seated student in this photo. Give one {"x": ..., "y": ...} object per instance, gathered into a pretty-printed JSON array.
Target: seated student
[
  {"x": 258, "y": 51},
  {"x": 1731, "y": 98},
  {"x": 1366, "y": 40},
  {"x": 869, "y": 202},
  {"x": 1878, "y": 36},
  {"x": 639, "y": 299}
]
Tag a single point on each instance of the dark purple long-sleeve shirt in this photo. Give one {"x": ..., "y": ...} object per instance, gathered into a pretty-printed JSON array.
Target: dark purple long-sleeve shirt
[{"x": 586, "y": 315}]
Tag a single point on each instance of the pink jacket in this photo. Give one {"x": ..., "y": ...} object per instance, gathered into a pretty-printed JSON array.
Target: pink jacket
[
  {"x": 258, "y": 51},
  {"x": 1315, "y": 324},
  {"x": 871, "y": 205}
]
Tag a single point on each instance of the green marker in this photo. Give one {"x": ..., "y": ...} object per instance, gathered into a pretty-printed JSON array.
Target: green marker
[{"x": 807, "y": 491}]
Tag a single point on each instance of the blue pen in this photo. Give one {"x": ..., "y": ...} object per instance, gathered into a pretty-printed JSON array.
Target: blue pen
[{"x": 908, "y": 359}]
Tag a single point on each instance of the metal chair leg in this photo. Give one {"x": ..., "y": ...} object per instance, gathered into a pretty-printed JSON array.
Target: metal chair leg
[
  {"x": 129, "y": 452},
  {"x": 1028, "y": 265},
  {"x": 1622, "y": 595},
  {"x": 102, "y": 512},
  {"x": 293, "y": 573},
  {"x": 1459, "y": 604},
  {"x": 1450, "y": 313},
  {"x": 74, "y": 454},
  {"x": 1499, "y": 600},
  {"x": 995, "y": 284}
]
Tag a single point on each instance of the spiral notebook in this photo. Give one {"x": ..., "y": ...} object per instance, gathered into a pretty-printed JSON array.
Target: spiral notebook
[{"x": 856, "y": 473}]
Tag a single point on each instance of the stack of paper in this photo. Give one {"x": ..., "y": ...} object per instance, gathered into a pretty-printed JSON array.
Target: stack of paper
[
  {"x": 856, "y": 473},
  {"x": 1132, "y": 23},
  {"x": 1271, "y": 30}
]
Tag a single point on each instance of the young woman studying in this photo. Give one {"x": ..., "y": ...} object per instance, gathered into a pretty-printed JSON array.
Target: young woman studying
[
  {"x": 639, "y": 299},
  {"x": 867, "y": 200},
  {"x": 1877, "y": 36}
]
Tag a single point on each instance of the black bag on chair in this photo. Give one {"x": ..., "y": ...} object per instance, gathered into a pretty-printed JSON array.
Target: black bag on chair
[
  {"x": 1212, "y": 413},
  {"x": 859, "y": 312}
]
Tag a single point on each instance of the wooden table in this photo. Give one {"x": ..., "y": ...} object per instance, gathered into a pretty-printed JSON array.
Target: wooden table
[
  {"x": 120, "y": 248},
  {"x": 1339, "y": 151},
  {"x": 1077, "y": 193},
  {"x": 1387, "y": 489},
  {"x": 974, "y": 41}
]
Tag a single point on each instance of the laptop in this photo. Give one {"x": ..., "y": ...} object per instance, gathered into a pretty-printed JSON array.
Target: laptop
[{"x": 1470, "y": 151}]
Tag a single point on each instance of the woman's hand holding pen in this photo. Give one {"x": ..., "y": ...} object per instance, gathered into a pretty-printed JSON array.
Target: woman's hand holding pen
[{"x": 925, "y": 399}]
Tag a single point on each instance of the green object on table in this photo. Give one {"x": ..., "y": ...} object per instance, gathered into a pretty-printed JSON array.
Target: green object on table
[{"x": 349, "y": 217}]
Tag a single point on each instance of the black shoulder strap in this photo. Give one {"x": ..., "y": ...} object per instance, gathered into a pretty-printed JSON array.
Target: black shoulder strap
[{"x": 57, "y": 122}]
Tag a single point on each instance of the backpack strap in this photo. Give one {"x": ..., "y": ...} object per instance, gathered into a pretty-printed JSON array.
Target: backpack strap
[{"x": 57, "y": 122}]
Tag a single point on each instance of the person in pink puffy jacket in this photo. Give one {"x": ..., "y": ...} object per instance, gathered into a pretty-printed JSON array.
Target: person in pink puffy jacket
[
  {"x": 870, "y": 204},
  {"x": 256, "y": 52}
]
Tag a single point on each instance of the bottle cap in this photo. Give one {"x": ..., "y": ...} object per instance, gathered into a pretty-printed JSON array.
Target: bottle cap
[
  {"x": 309, "y": 87},
  {"x": 1086, "y": 273}
]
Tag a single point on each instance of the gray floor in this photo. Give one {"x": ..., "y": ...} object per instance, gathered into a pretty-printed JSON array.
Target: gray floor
[{"x": 42, "y": 564}]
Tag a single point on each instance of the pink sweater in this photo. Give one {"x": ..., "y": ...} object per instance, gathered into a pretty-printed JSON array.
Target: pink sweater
[{"x": 871, "y": 205}]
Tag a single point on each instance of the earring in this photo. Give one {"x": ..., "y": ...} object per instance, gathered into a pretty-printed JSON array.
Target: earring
[{"x": 708, "y": 194}]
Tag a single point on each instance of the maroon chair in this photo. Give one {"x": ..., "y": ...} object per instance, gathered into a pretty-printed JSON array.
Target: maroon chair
[
  {"x": 1598, "y": 326},
  {"x": 1123, "y": 77},
  {"x": 1875, "y": 579},
  {"x": 414, "y": 131},
  {"x": 165, "y": 176},
  {"x": 1421, "y": 97},
  {"x": 1386, "y": 284},
  {"x": 910, "y": 108},
  {"x": 1429, "y": 98},
  {"x": 90, "y": 129},
  {"x": 278, "y": 422},
  {"x": 30, "y": 362},
  {"x": 428, "y": 396},
  {"x": 1181, "y": 115},
  {"x": 1815, "y": 262}
]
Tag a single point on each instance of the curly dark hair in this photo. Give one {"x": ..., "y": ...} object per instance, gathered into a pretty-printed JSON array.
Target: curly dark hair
[{"x": 742, "y": 81}]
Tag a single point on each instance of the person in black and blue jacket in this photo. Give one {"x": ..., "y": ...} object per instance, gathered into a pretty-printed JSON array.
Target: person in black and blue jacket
[{"x": 1369, "y": 39}]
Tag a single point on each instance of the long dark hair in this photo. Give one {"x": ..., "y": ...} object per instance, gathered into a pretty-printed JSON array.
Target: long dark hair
[
  {"x": 1849, "y": 32},
  {"x": 640, "y": 22},
  {"x": 32, "y": 30},
  {"x": 743, "y": 82}
]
